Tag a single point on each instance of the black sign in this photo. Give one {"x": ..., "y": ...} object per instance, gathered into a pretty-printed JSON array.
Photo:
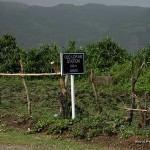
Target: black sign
[{"x": 72, "y": 63}]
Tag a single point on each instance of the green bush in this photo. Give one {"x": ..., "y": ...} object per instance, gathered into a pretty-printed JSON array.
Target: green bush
[
  {"x": 134, "y": 130},
  {"x": 59, "y": 126}
]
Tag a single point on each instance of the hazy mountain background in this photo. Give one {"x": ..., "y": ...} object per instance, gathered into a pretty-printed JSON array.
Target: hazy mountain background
[
  {"x": 49, "y": 3},
  {"x": 35, "y": 25}
]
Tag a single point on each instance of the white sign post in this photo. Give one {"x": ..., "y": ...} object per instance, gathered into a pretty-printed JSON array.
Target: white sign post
[
  {"x": 72, "y": 97},
  {"x": 71, "y": 64}
]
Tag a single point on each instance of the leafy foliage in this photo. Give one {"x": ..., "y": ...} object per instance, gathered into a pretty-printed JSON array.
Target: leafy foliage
[
  {"x": 82, "y": 128},
  {"x": 38, "y": 60},
  {"x": 35, "y": 60},
  {"x": 143, "y": 56},
  {"x": 103, "y": 55},
  {"x": 9, "y": 54},
  {"x": 100, "y": 56},
  {"x": 134, "y": 130}
]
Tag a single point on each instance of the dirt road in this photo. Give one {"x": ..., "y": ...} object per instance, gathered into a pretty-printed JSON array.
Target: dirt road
[{"x": 4, "y": 147}]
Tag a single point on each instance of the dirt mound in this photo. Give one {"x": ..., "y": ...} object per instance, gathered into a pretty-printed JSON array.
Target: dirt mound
[
  {"x": 117, "y": 143},
  {"x": 15, "y": 122}
]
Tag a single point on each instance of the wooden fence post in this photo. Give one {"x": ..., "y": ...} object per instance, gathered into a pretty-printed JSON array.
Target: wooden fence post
[
  {"x": 26, "y": 88},
  {"x": 133, "y": 83},
  {"x": 63, "y": 92},
  {"x": 99, "y": 108},
  {"x": 0, "y": 100}
]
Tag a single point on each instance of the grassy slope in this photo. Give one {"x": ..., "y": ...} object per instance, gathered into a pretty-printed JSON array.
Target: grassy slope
[
  {"x": 45, "y": 99},
  {"x": 45, "y": 103},
  {"x": 44, "y": 96}
]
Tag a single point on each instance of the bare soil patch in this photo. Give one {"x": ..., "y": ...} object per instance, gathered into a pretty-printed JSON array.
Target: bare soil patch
[
  {"x": 15, "y": 122},
  {"x": 117, "y": 143},
  {"x": 4, "y": 147}
]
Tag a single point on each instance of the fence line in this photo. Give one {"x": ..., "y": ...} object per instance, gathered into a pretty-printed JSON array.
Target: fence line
[
  {"x": 29, "y": 74},
  {"x": 22, "y": 74}
]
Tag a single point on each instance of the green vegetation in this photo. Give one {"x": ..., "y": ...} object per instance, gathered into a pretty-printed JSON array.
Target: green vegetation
[
  {"x": 102, "y": 57},
  {"x": 42, "y": 142}
]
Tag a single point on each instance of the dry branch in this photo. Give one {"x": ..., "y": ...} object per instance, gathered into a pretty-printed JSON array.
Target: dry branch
[{"x": 137, "y": 109}]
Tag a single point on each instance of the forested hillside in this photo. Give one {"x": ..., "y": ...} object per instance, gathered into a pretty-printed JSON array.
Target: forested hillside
[{"x": 33, "y": 25}]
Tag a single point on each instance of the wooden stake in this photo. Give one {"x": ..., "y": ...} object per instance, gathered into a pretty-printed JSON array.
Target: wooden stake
[
  {"x": 133, "y": 93},
  {"x": 63, "y": 93},
  {"x": 95, "y": 93},
  {"x": 26, "y": 88}
]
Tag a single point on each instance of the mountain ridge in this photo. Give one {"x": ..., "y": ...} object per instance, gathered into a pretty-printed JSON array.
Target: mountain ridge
[
  {"x": 35, "y": 25},
  {"x": 50, "y": 3}
]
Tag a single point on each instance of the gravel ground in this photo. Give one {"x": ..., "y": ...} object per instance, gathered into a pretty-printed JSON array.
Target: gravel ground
[{"x": 4, "y": 147}]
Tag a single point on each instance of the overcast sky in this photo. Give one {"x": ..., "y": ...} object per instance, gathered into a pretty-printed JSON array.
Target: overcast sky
[{"x": 142, "y": 3}]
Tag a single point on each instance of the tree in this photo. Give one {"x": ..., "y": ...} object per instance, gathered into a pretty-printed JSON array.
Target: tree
[
  {"x": 37, "y": 60},
  {"x": 104, "y": 54},
  {"x": 9, "y": 54},
  {"x": 143, "y": 56}
]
